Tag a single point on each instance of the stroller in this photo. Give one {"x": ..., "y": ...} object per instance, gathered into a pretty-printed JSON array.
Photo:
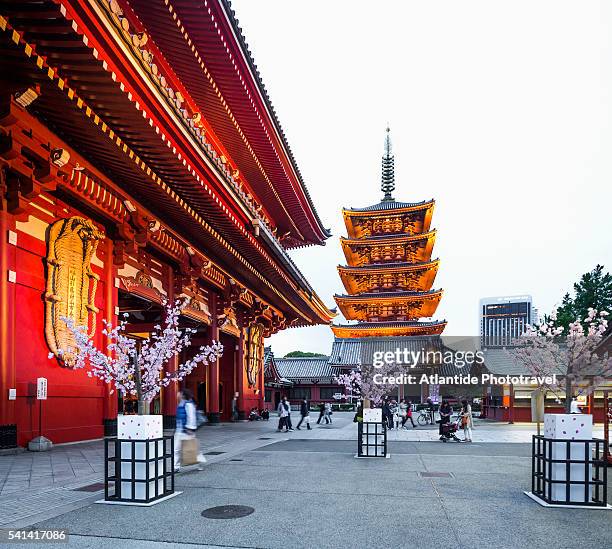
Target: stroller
[{"x": 450, "y": 429}]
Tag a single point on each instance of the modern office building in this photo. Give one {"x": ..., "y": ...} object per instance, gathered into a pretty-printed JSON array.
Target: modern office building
[{"x": 504, "y": 319}]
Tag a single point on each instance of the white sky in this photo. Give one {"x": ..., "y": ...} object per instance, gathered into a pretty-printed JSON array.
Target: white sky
[{"x": 498, "y": 110}]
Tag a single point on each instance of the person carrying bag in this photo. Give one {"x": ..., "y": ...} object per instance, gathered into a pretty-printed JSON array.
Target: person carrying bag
[{"x": 186, "y": 445}]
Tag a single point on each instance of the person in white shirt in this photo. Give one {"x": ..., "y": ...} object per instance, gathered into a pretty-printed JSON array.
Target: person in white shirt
[{"x": 284, "y": 409}]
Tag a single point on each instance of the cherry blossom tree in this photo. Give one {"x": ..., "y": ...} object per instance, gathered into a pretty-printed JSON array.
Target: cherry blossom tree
[
  {"x": 139, "y": 372},
  {"x": 573, "y": 357},
  {"x": 360, "y": 382}
]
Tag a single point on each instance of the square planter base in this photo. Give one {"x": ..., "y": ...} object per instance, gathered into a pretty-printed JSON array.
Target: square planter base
[
  {"x": 556, "y": 505},
  {"x": 387, "y": 456},
  {"x": 137, "y": 503}
]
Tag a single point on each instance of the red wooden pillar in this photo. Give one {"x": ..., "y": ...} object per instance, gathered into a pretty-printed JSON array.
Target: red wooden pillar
[
  {"x": 212, "y": 381},
  {"x": 8, "y": 375},
  {"x": 240, "y": 374},
  {"x": 261, "y": 383},
  {"x": 110, "y": 400},
  {"x": 511, "y": 405},
  {"x": 168, "y": 395}
]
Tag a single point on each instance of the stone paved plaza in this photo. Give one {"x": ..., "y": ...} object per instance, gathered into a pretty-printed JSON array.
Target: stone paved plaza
[{"x": 308, "y": 490}]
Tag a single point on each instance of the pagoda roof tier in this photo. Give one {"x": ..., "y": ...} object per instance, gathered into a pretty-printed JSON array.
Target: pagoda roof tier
[
  {"x": 389, "y": 217},
  {"x": 387, "y": 276},
  {"x": 388, "y": 205},
  {"x": 388, "y": 249},
  {"x": 388, "y": 329},
  {"x": 389, "y": 306}
]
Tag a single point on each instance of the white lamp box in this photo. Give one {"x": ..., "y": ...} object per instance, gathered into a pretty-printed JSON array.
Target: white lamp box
[
  {"x": 573, "y": 427},
  {"x": 372, "y": 415},
  {"x": 145, "y": 431},
  {"x": 139, "y": 427}
]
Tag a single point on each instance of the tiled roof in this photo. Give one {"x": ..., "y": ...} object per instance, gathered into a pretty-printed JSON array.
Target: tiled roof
[
  {"x": 500, "y": 361},
  {"x": 352, "y": 352},
  {"x": 356, "y": 352},
  {"x": 264, "y": 92},
  {"x": 271, "y": 374},
  {"x": 305, "y": 368},
  {"x": 389, "y": 205}
]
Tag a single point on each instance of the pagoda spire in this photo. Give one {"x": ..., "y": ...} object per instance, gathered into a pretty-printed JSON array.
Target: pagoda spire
[{"x": 387, "y": 184}]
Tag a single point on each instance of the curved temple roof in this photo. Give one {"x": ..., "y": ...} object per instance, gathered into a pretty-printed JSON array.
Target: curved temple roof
[
  {"x": 206, "y": 49},
  {"x": 389, "y": 205},
  {"x": 103, "y": 95}
]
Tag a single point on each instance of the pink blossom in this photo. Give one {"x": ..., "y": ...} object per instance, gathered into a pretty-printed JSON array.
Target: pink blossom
[{"x": 139, "y": 373}]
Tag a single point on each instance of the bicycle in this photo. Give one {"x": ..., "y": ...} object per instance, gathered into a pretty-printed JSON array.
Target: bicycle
[{"x": 424, "y": 418}]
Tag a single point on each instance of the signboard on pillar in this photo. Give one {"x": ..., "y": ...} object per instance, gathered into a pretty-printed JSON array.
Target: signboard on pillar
[{"x": 41, "y": 388}]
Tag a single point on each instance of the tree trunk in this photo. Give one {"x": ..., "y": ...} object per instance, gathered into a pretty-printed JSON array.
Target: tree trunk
[
  {"x": 143, "y": 407},
  {"x": 568, "y": 396}
]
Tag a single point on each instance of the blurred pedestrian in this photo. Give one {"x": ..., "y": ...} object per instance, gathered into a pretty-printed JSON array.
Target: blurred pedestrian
[
  {"x": 305, "y": 414},
  {"x": 328, "y": 413},
  {"x": 186, "y": 424},
  {"x": 445, "y": 411},
  {"x": 406, "y": 413},
  {"x": 283, "y": 414},
  {"x": 321, "y": 412},
  {"x": 466, "y": 420},
  {"x": 387, "y": 415}
]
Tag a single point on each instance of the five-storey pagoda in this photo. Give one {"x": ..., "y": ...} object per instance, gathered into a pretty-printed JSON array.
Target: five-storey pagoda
[{"x": 390, "y": 273}]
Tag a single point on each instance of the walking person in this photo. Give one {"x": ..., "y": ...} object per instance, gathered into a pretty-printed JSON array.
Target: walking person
[
  {"x": 328, "y": 413},
  {"x": 185, "y": 423},
  {"x": 466, "y": 420},
  {"x": 432, "y": 410},
  {"x": 387, "y": 415},
  {"x": 406, "y": 413},
  {"x": 235, "y": 414},
  {"x": 446, "y": 411},
  {"x": 283, "y": 414},
  {"x": 305, "y": 413},
  {"x": 395, "y": 418},
  {"x": 289, "y": 424},
  {"x": 321, "y": 412}
]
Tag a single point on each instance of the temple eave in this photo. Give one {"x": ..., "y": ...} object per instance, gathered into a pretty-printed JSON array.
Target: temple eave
[{"x": 383, "y": 329}]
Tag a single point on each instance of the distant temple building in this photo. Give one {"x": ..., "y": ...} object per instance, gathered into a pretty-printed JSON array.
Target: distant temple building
[
  {"x": 388, "y": 278},
  {"x": 311, "y": 378},
  {"x": 390, "y": 273}
]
